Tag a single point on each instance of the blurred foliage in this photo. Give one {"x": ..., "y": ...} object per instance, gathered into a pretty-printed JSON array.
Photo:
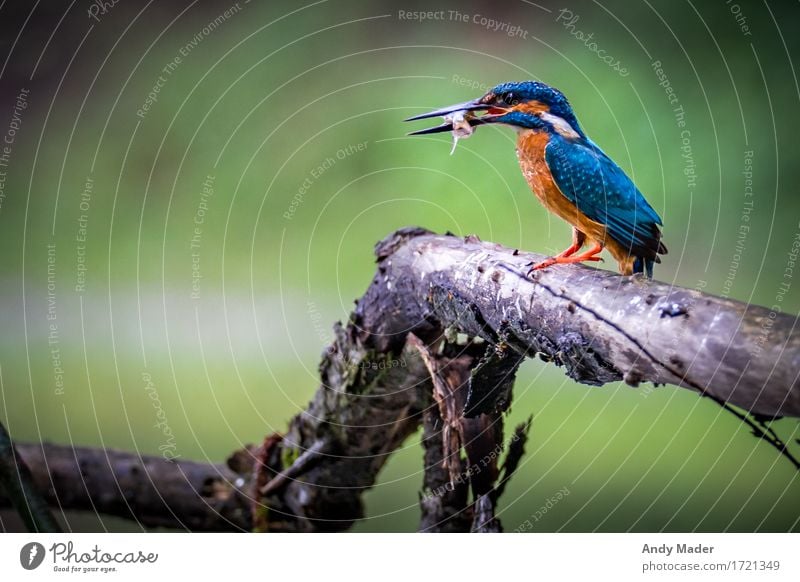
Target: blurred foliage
[{"x": 272, "y": 103}]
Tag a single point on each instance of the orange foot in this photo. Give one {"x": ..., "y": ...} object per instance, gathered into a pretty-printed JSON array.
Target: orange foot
[{"x": 568, "y": 256}]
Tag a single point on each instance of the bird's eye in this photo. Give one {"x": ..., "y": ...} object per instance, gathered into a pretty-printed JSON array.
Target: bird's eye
[{"x": 508, "y": 98}]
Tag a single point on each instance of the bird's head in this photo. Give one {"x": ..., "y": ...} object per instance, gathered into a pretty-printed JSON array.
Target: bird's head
[{"x": 523, "y": 105}]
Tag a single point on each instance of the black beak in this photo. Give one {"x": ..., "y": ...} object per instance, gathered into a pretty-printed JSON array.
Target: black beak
[{"x": 475, "y": 105}]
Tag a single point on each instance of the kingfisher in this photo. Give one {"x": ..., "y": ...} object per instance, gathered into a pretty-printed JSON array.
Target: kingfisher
[{"x": 569, "y": 174}]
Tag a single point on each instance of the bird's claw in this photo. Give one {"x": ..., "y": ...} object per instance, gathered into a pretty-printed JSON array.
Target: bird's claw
[
  {"x": 539, "y": 266},
  {"x": 555, "y": 261}
]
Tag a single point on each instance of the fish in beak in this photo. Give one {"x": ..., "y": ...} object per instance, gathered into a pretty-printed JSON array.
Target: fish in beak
[
  {"x": 453, "y": 112},
  {"x": 460, "y": 119}
]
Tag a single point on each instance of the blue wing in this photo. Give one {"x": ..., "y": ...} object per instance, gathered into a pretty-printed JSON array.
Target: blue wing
[{"x": 602, "y": 191}]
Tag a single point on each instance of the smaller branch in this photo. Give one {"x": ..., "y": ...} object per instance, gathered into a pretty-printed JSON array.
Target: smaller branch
[
  {"x": 760, "y": 430},
  {"x": 516, "y": 449},
  {"x": 445, "y": 378},
  {"x": 443, "y": 503},
  {"x": 472, "y": 385},
  {"x": 301, "y": 464},
  {"x": 17, "y": 481},
  {"x": 150, "y": 490},
  {"x": 369, "y": 402}
]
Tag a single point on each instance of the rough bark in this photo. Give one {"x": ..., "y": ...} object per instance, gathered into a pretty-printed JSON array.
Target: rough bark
[
  {"x": 369, "y": 402},
  {"x": 600, "y": 326},
  {"x": 446, "y": 291}
]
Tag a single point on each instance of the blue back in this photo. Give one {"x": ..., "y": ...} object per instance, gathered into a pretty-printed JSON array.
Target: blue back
[{"x": 602, "y": 191}]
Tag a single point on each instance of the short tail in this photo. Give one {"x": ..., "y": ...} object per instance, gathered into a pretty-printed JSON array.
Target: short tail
[{"x": 642, "y": 265}]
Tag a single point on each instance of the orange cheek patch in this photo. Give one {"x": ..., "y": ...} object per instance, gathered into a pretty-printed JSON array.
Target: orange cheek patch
[{"x": 532, "y": 107}]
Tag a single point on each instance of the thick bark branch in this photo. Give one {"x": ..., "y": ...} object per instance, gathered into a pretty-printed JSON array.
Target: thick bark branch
[
  {"x": 601, "y": 326},
  {"x": 377, "y": 385}
]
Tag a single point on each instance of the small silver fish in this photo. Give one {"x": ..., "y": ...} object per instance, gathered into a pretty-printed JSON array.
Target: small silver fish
[{"x": 461, "y": 126}]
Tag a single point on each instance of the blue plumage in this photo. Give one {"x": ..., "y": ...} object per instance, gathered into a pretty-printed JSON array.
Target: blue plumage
[
  {"x": 524, "y": 91},
  {"x": 604, "y": 193}
]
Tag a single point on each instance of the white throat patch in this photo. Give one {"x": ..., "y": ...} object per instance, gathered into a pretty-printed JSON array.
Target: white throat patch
[{"x": 560, "y": 124}]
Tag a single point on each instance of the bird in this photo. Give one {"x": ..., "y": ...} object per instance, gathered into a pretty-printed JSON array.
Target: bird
[{"x": 569, "y": 174}]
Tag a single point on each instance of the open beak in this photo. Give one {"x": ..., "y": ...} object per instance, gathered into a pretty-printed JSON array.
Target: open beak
[{"x": 475, "y": 105}]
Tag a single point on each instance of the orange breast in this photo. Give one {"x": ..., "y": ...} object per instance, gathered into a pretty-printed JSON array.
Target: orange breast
[{"x": 530, "y": 152}]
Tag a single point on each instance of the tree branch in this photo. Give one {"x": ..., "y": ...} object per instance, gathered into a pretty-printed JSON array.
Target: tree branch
[
  {"x": 377, "y": 385},
  {"x": 17, "y": 483},
  {"x": 600, "y": 326},
  {"x": 150, "y": 490}
]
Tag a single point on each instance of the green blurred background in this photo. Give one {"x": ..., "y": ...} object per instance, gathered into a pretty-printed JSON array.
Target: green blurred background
[{"x": 268, "y": 107}]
